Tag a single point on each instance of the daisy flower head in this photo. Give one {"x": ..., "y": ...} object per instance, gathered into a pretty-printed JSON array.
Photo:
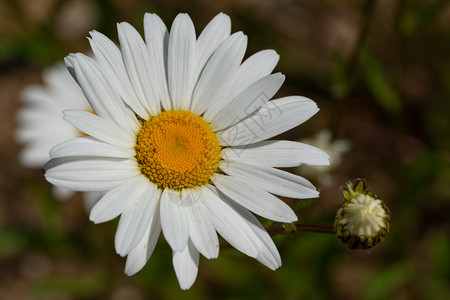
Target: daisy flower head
[
  {"x": 179, "y": 142},
  {"x": 40, "y": 126},
  {"x": 363, "y": 220}
]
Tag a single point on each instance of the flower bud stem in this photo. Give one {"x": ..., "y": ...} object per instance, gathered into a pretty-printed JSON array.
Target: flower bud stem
[{"x": 317, "y": 228}]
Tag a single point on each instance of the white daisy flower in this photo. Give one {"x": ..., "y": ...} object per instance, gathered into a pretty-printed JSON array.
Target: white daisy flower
[
  {"x": 40, "y": 125},
  {"x": 335, "y": 148},
  {"x": 179, "y": 142}
]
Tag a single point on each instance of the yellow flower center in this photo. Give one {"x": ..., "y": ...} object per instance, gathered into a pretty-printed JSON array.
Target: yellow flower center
[{"x": 177, "y": 150}]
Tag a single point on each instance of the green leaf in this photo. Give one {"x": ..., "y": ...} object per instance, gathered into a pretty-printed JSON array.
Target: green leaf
[
  {"x": 71, "y": 286},
  {"x": 302, "y": 204},
  {"x": 341, "y": 81},
  {"x": 382, "y": 284},
  {"x": 12, "y": 242},
  {"x": 376, "y": 81}
]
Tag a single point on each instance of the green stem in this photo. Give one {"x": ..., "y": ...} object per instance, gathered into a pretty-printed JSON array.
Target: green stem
[
  {"x": 369, "y": 10},
  {"x": 317, "y": 228}
]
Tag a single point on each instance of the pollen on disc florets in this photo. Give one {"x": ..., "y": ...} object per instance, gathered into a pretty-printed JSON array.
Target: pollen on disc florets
[{"x": 177, "y": 150}]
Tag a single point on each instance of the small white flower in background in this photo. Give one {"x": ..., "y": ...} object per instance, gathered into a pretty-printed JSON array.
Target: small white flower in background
[
  {"x": 179, "y": 142},
  {"x": 335, "y": 148},
  {"x": 363, "y": 220},
  {"x": 40, "y": 126}
]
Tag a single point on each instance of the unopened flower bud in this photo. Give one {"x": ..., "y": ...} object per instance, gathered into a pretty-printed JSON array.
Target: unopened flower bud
[{"x": 363, "y": 220}]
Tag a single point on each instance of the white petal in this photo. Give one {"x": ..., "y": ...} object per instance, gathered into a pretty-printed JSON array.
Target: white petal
[
  {"x": 81, "y": 174},
  {"x": 69, "y": 61},
  {"x": 35, "y": 126},
  {"x": 110, "y": 59},
  {"x": 35, "y": 95},
  {"x": 135, "y": 219},
  {"x": 267, "y": 251},
  {"x": 91, "y": 168},
  {"x": 254, "y": 198},
  {"x": 277, "y": 154},
  {"x": 174, "y": 222},
  {"x": 157, "y": 40},
  {"x": 37, "y": 113},
  {"x": 252, "y": 69},
  {"x": 61, "y": 193},
  {"x": 38, "y": 132},
  {"x": 58, "y": 83},
  {"x": 116, "y": 201},
  {"x": 273, "y": 118},
  {"x": 185, "y": 264},
  {"x": 90, "y": 199},
  {"x": 89, "y": 146},
  {"x": 85, "y": 186},
  {"x": 99, "y": 128},
  {"x": 181, "y": 62},
  {"x": 137, "y": 61},
  {"x": 138, "y": 257},
  {"x": 100, "y": 94},
  {"x": 222, "y": 65},
  {"x": 60, "y": 91},
  {"x": 270, "y": 179},
  {"x": 217, "y": 30},
  {"x": 248, "y": 101},
  {"x": 35, "y": 155},
  {"x": 228, "y": 223},
  {"x": 201, "y": 230}
]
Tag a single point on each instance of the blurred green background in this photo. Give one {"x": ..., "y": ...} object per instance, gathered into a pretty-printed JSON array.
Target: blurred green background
[{"x": 379, "y": 71}]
